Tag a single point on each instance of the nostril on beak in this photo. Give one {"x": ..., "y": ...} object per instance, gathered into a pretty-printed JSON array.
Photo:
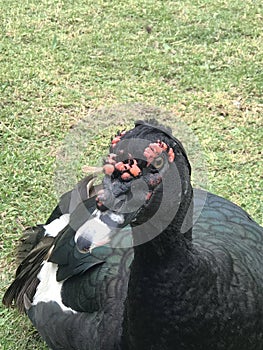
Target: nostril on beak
[{"x": 108, "y": 198}]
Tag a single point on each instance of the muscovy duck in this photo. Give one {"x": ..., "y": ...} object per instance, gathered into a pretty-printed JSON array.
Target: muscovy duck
[{"x": 193, "y": 279}]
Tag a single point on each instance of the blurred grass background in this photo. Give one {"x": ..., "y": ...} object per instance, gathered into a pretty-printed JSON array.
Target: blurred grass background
[{"x": 61, "y": 60}]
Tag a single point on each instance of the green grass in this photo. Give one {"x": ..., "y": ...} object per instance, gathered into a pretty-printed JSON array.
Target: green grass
[{"x": 60, "y": 61}]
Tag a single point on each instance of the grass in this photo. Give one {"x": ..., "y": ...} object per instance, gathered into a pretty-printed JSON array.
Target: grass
[{"x": 60, "y": 61}]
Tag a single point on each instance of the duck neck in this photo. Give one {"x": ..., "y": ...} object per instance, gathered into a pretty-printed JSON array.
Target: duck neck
[
  {"x": 156, "y": 272},
  {"x": 176, "y": 235}
]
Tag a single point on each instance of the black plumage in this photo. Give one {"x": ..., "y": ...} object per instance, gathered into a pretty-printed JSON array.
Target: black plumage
[
  {"x": 34, "y": 245},
  {"x": 193, "y": 279}
]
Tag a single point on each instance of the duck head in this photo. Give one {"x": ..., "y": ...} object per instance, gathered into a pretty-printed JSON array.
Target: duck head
[{"x": 146, "y": 182}]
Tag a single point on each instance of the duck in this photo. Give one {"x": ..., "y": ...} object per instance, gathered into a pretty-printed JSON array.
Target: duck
[{"x": 143, "y": 260}]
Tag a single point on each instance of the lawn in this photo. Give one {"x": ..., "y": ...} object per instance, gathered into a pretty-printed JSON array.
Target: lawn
[{"x": 60, "y": 61}]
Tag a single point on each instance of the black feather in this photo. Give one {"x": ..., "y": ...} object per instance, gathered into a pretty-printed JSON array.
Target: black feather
[
  {"x": 26, "y": 280},
  {"x": 34, "y": 247},
  {"x": 196, "y": 285}
]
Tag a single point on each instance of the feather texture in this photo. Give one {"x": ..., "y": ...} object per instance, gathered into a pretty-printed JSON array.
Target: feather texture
[{"x": 192, "y": 281}]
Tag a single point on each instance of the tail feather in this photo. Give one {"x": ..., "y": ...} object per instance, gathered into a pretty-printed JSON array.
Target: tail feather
[
  {"x": 26, "y": 280},
  {"x": 32, "y": 236}
]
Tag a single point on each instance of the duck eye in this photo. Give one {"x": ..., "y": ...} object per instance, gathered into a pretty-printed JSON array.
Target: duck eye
[{"x": 158, "y": 162}]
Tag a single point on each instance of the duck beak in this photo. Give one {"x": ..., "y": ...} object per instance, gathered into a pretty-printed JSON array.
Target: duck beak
[{"x": 119, "y": 201}]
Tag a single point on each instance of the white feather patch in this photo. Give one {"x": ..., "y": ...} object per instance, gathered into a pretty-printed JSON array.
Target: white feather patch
[
  {"x": 49, "y": 289},
  {"x": 56, "y": 225},
  {"x": 94, "y": 229}
]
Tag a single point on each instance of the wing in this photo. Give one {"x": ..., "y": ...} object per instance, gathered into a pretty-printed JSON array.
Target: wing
[
  {"x": 35, "y": 244},
  {"x": 93, "y": 302},
  {"x": 230, "y": 233},
  {"x": 90, "y": 277}
]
